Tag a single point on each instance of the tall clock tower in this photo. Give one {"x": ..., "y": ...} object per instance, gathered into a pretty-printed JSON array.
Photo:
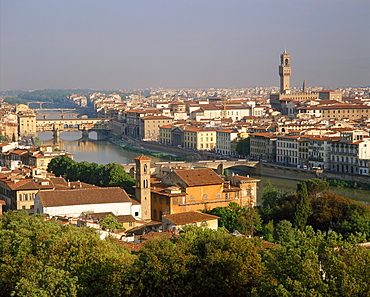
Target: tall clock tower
[
  {"x": 285, "y": 72},
  {"x": 142, "y": 190}
]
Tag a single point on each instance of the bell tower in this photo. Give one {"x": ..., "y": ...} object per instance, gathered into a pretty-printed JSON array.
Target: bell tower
[
  {"x": 284, "y": 72},
  {"x": 142, "y": 191}
]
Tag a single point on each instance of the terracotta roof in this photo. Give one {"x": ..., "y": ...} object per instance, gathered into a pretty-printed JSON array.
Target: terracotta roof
[
  {"x": 97, "y": 216},
  {"x": 156, "y": 118},
  {"x": 143, "y": 157},
  {"x": 189, "y": 217},
  {"x": 29, "y": 183},
  {"x": 125, "y": 218},
  {"x": 199, "y": 177},
  {"x": 83, "y": 196}
]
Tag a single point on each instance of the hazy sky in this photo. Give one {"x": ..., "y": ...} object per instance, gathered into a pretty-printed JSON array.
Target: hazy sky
[{"x": 119, "y": 44}]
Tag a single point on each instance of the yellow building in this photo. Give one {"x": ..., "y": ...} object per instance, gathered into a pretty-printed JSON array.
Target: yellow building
[
  {"x": 200, "y": 139},
  {"x": 187, "y": 190},
  {"x": 27, "y": 124},
  {"x": 165, "y": 134}
]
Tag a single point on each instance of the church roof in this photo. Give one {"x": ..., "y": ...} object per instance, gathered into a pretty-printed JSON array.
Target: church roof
[
  {"x": 199, "y": 177},
  {"x": 83, "y": 196}
]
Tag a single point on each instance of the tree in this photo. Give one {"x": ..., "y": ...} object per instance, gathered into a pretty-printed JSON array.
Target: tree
[
  {"x": 3, "y": 138},
  {"x": 223, "y": 264},
  {"x": 228, "y": 216},
  {"x": 284, "y": 232},
  {"x": 315, "y": 187},
  {"x": 42, "y": 258},
  {"x": 243, "y": 147},
  {"x": 343, "y": 215},
  {"x": 237, "y": 218},
  {"x": 110, "y": 223},
  {"x": 60, "y": 164},
  {"x": 110, "y": 175},
  {"x": 161, "y": 269},
  {"x": 249, "y": 220},
  {"x": 302, "y": 208}
]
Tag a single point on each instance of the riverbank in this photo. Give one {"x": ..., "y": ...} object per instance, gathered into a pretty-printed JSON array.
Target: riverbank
[{"x": 129, "y": 147}]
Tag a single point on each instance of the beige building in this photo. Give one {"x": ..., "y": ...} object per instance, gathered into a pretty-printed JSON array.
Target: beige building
[
  {"x": 331, "y": 95},
  {"x": 149, "y": 126},
  {"x": 263, "y": 146},
  {"x": 337, "y": 111},
  {"x": 27, "y": 124},
  {"x": 199, "y": 138}
]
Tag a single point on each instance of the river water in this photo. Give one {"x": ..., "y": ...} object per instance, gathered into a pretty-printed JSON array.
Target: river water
[
  {"x": 104, "y": 152},
  {"x": 91, "y": 150}
]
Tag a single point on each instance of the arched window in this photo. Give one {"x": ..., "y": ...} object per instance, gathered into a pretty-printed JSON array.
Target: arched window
[{"x": 145, "y": 168}]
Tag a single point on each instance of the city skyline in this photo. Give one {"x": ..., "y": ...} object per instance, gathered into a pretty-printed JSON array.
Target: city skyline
[{"x": 176, "y": 44}]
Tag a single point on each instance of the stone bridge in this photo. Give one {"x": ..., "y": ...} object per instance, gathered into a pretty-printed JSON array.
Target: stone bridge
[
  {"x": 218, "y": 165},
  {"x": 57, "y": 126}
]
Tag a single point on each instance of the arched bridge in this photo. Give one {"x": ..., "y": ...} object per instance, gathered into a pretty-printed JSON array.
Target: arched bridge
[
  {"x": 62, "y": 125},
  {"x": 218, "y": 165}
]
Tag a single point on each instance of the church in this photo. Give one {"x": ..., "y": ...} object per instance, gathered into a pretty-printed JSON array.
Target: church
[{"x": 179, "y": 190}]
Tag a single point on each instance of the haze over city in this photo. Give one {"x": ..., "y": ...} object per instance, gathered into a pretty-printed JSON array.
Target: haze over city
[{"x": 182, "y": 44}]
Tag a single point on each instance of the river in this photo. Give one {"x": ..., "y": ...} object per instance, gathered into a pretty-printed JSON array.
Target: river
[
  {"x": 104, "y": 152},
  {"x": 91, "y": 150}
]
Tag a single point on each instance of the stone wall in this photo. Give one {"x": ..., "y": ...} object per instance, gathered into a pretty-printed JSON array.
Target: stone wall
[{"x": 293, "y": 173}]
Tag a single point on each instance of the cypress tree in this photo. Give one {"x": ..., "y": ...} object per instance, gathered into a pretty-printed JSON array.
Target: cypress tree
[{"x": 303, "y": 207}]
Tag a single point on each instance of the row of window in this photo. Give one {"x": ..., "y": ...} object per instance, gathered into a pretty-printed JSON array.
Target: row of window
[
  {"x": 26, "y": 197},
  {"x": 287, "y": 152}
]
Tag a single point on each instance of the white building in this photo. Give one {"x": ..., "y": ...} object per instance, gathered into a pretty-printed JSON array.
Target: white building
[
  {"x": 224, "y": 139},
  {"x": 287, "y": 149},
  {"x": 72, "y": 203}
]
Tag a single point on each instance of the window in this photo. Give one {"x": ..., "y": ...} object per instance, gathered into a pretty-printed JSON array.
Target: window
[
  {"x": 154, "y": 213},
  {"x": 218, "y": 196},
  {"x": 136, "y": 213},
  {"x": 191, "y": 198},
  {"x": 205, "y": 196}
]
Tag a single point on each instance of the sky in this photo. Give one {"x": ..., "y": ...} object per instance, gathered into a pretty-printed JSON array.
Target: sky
[{"x": 120, "y": 44}]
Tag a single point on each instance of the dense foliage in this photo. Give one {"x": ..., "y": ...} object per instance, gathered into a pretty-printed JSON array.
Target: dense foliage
[
  {"x": 237, "y": 218},
  {"x": 39, "y": 258},
  {"x": 43, "y": 258},
  {"x": 348, "y": 184},
  {"x": 243, "y": 147},
  {"x": 13, "y": 101},
  {"x": 110, "y": 175},
  {"x": 314, "y": 205},
  {"x": 55, "y": 96}
]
